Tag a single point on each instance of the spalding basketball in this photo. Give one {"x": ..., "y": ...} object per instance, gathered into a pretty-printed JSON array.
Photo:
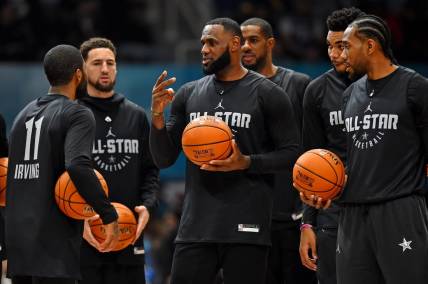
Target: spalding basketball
[
  {"x": 319, "y": 172},
  {"x": 70, "y": 202},
  {"x": 3, "y": 180},
  {"x": 206, "y": 138},
  {"x": 127, "y": 227}
]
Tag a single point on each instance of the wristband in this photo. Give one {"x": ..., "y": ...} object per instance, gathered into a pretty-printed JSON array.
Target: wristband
[{"x": 305, "y": 226}]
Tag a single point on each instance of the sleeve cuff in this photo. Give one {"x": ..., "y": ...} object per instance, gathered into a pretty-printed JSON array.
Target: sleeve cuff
[
  {"x": 254, "y": 165},
  {"x": 109, "y": 216}
]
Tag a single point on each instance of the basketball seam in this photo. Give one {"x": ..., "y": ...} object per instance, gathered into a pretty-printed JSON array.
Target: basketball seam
[
  {"x": 334, "y": 184},
  {"x": 74, "y": 210},
  {"x": 63, "y": 200},
  {"x": 228, "y": 147},
  {"x": 211, "y": 143},
  {"x": 197, "y": 126},
  {"x": 334, "y": 171},
  {"x": 69, "y": 201},
  {"x": 201, "y": 161},
  {"x": 307, "y": 189}
]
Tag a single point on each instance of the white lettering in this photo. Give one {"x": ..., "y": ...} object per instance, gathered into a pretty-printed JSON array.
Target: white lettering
[
  {"x": 233, "y": 119},
  {"x": 392, "y": 121},
  {"x": 26, "y": 171},
  {"x": 236, "y": 119}
]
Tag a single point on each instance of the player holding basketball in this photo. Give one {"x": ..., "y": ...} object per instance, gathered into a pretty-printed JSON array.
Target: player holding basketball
[
  {"x": 284, "y": 264},
  {"x": 227, "y": 206},
  {"x": 323, "y": 127},
  {"x": 383, "y": 226},
  {"x": 126, "y": 165},
  {"x": 50, "y": 135}
]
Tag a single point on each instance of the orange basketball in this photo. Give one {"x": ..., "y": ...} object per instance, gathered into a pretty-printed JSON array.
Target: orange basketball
[
  {"x": 3, "y": 179},
  {"x": 206, "y": 138},
  {"x": 127, "y": 227},
  {"x": 319, "y": 172},
  {"x": 70, "y": 202}
]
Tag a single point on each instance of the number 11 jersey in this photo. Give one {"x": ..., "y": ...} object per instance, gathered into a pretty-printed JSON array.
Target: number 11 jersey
[{"x": 49, "y": 134}]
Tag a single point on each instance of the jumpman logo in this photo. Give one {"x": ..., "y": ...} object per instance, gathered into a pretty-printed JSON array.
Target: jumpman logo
[
  {"x": 110, "y": 133},
  {"x": 369, "y": 108},
  {"x": 220, "y": 105}
]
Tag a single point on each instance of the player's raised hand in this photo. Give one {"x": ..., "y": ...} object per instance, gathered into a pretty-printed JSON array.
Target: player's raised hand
[
  {"x": 161, "y": 95},
  {"x": 236, "y": 161},
  {"x": 143, "y": 218},
  {"x": 315, "y": 201}
]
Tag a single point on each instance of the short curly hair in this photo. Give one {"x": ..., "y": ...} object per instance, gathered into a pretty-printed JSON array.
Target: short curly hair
[
  {"x": 96, "y": 42},
  {"x": 339, "y": 20},
  {"x": 60, "y": 64}
]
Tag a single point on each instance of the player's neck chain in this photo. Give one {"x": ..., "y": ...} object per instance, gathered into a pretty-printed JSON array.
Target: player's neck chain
[
  {"x": 224, "y": 87},
  {"x": 374, "y": 87}
]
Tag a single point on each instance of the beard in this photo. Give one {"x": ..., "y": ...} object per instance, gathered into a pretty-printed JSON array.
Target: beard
[
  {"x": 81, "y": 90},
  {"x": 219, "y": 64},
  {"x": 356, "y": 72},
  {"x": 258, "y": 65},
  {"x": 102, "y": 88}
]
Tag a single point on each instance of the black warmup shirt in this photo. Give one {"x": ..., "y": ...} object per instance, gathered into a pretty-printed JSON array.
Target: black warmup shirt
[
  {"x": 50, "y": 135},
  {"x": 324, "y": 127},
  {"x": 387, "y": 132},
  {"x": 121, "y": 154},
  {"x": 3, "y": 138},
  {"x": 286, "y": 202},
  {"x": 231, "y": 207}
]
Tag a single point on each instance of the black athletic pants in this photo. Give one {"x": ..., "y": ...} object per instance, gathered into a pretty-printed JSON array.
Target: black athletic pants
[
  {"x": 284, "y": 265},
  {"x": 113, "y": 274},
  {"x": 326, "y": 250},
  {"x": 41, "y": 280},
  {"x": 197, "y": 263},
  {"x": 383, "y": 243}
]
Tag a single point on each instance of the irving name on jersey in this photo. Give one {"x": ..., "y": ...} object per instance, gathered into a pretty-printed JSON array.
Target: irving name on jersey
[{"x": 26, "y": 171}]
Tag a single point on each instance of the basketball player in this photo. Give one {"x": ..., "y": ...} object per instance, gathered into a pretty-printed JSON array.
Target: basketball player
[
  {"x": 3, "y": 153},
  {"x": 383, "y": 226},
  {"x": 50, "y": 135},
  {"x": 323, "y": 127},
  {"x": 284, "y": 264},
  {"x": 225, "y": 222},
  {"x": 126, "y": 165}
]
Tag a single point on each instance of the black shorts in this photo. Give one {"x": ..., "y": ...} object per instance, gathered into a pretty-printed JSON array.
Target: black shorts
[
  {"x": 113, "y": 274},
  {"x": 326, "y": 251},
  {"x": 383, "y": 243},
  {"x": 197, "y": 263}
]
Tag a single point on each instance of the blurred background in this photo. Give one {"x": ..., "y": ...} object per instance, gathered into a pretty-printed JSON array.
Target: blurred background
[{"x": 156, "y": 35}]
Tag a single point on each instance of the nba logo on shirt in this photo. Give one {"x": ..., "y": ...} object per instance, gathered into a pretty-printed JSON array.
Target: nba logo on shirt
[{"x": 249, "y": 228}]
